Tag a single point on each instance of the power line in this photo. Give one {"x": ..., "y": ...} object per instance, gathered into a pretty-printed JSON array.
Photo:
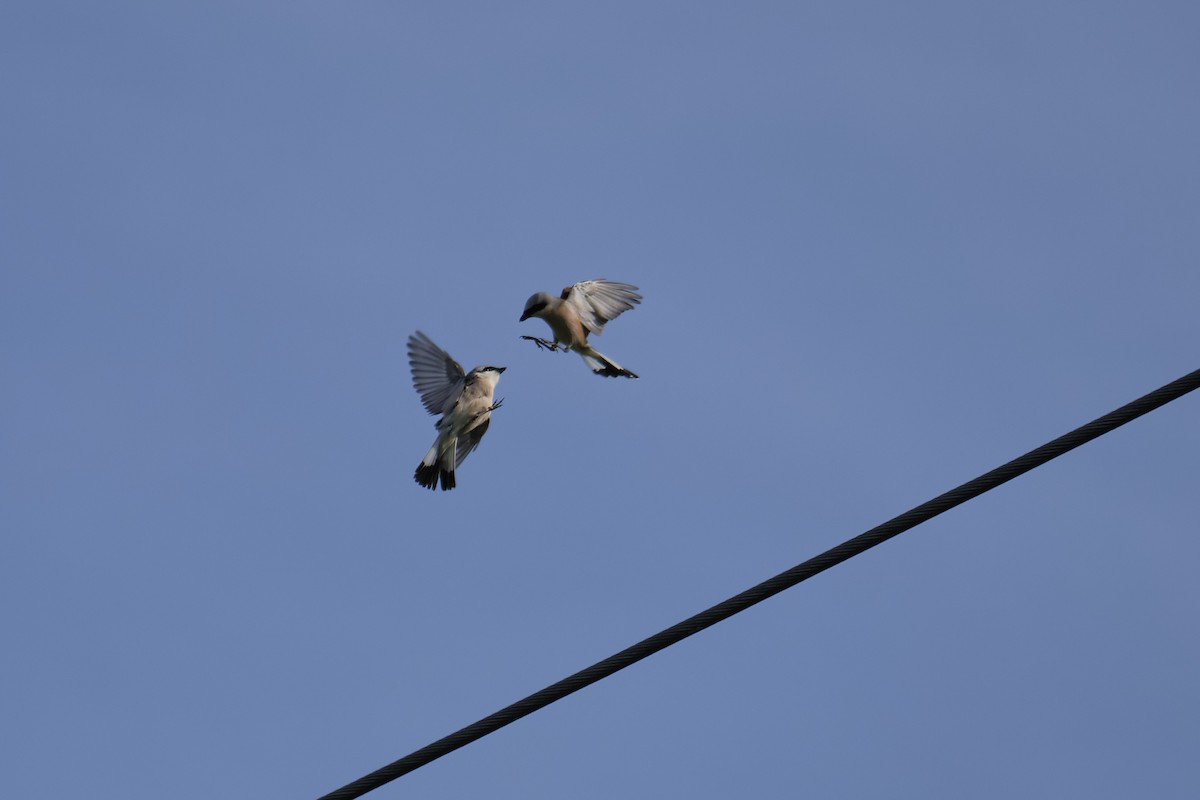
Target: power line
[{"x": 769, "y": 588}]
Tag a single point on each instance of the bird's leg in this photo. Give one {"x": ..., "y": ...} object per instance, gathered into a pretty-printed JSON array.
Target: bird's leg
[
  {"x": 545, "y": 344},
  {"x": 489, "y": 409}
]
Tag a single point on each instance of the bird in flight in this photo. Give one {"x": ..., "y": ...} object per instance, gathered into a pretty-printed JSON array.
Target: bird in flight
[
  {"x": 463, "y": 399},
  {"x": 580, "y": 310}
]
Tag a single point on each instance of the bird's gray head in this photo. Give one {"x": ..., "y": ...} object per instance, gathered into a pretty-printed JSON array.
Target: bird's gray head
[
  {"x": 489, "y": 373},
  {"x": 537, "y": 305}
]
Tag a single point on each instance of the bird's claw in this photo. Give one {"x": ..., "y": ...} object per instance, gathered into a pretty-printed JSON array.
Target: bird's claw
[
  {"x": 544, "y": 343},
  {"x": 487, "y": 410}
]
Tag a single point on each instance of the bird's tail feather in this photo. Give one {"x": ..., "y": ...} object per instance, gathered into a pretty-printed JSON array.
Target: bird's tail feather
[
  {"x": 432, "y": 468},
  {"x": 603, "y": 365},
  {"x": 426, "y": 475}
]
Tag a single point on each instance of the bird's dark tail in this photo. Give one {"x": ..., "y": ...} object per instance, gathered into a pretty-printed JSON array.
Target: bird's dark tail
[
  {"x": 603, "y": 365},
  {"x": 432, "y": 469},
  {"x": 428, "y": 474}
]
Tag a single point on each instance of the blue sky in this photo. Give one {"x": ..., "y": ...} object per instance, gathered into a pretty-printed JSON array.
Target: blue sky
[{"x": 883, "y": 247}]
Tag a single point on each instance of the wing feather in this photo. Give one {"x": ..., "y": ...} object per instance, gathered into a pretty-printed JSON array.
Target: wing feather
[
  {"x": 599, "y": 301},
  {"x": 438, "y": 378}
]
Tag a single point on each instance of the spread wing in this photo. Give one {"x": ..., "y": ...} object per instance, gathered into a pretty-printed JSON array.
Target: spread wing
[
  {"x": 599, "y": 301},
  {"x": 437, "y": 377}
]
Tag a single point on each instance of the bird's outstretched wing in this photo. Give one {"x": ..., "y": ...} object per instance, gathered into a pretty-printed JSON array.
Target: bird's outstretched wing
[
  {"x": 437, "y": 377},
  {"x": 599, "y": 301}
]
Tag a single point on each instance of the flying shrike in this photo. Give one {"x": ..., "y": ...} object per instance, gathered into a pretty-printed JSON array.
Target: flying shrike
[
  {"x": 463, "y": 400},
  {"x": 582, "y": 309}
]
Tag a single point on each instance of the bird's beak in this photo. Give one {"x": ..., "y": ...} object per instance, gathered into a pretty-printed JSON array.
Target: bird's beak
[
  {"x": 524, "y": 316},
  {"x": 501, "y": 369}
]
